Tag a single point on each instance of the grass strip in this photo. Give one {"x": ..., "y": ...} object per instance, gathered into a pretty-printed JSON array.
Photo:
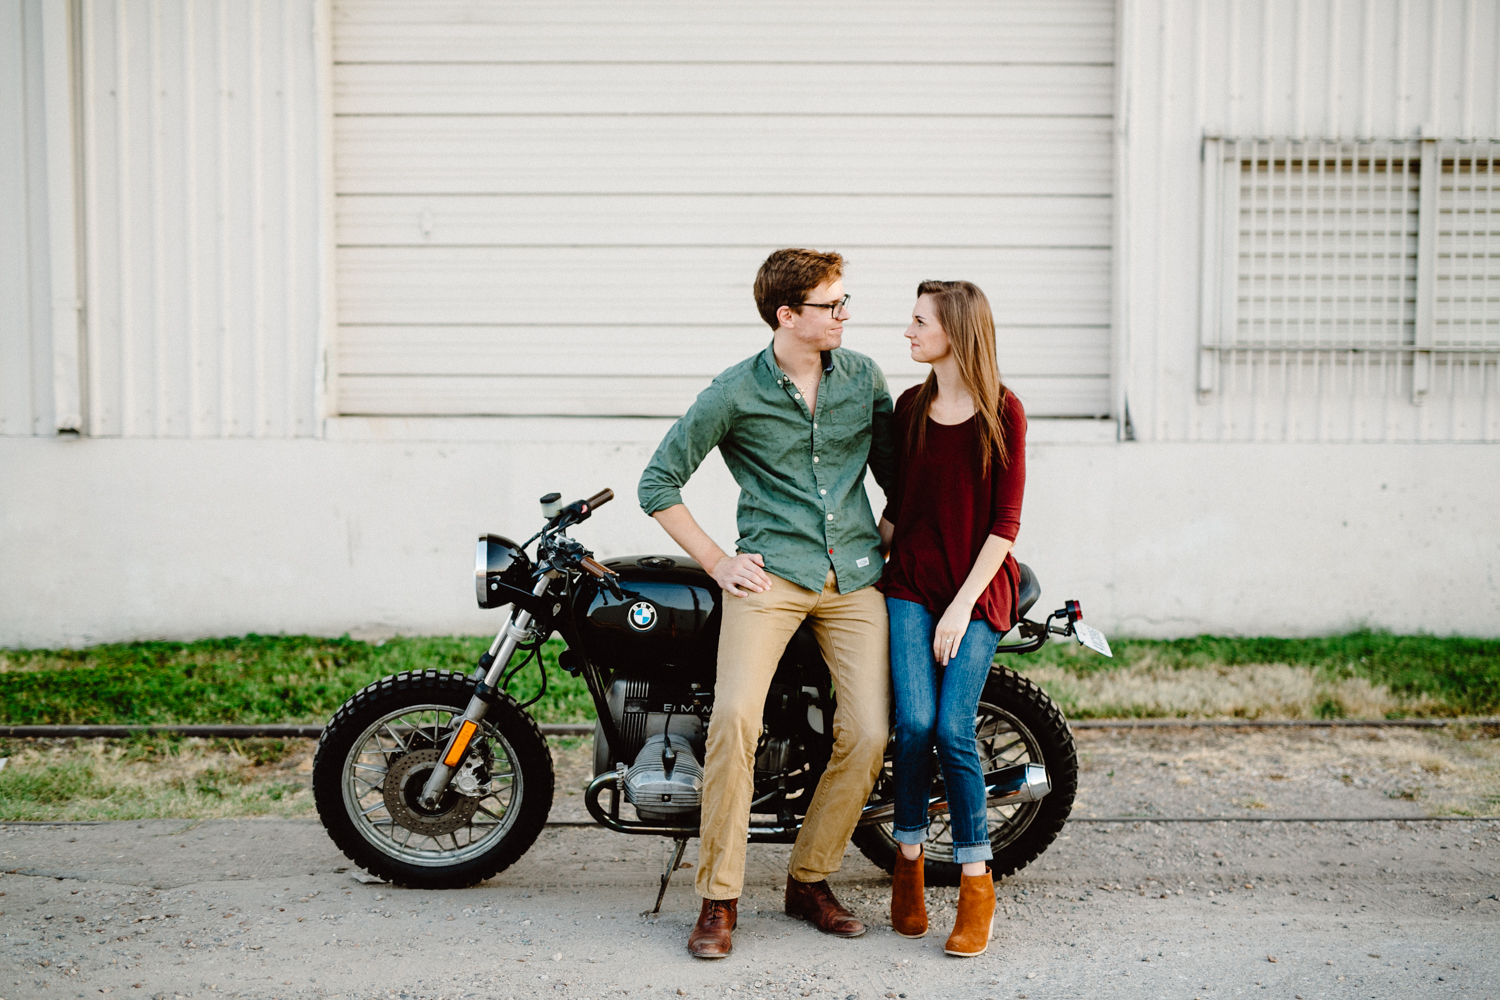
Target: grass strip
[
  {"x": 254, "y": 679},
  {"x": 264, "y": 679},
  {"x": 1444, "y": 676}
]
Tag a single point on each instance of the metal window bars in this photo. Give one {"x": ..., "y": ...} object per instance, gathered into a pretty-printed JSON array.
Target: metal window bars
[{"x": 1369, "y": 255}]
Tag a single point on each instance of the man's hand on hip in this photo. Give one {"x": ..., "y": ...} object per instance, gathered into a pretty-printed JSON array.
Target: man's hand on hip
[{"x": 741, "y": 575}]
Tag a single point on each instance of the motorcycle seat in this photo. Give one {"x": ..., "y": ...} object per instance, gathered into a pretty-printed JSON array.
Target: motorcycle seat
[{"x": 1027, "y": 592}]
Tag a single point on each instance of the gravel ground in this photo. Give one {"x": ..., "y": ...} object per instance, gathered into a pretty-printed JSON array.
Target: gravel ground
[{"x": 269, "y": 908}]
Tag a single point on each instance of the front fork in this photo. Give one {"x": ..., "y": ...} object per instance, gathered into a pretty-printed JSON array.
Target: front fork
[{"x": 500, "y": 651}]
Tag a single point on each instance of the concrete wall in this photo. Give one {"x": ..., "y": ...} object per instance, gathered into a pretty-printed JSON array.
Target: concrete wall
[{"x": 372, "y": 532}]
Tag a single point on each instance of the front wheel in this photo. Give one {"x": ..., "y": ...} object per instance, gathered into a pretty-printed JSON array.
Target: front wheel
[
  {"x": 376, "y": 754},
  {"x": 1016, "y": 723}
]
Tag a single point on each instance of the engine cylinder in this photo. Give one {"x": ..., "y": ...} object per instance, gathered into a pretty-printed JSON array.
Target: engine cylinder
[{"x": 665, "y": 784}]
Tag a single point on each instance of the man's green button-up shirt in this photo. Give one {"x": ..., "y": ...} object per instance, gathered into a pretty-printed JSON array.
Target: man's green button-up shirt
[{"x": 803, "y": 505}]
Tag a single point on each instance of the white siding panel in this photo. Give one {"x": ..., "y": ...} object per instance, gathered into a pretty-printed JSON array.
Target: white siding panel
[
  {"x": 202, "y": 198},
  {"x": 1284, "y": 69},
  {"x": 727, "y": 88},
  {"x": 670, "y": 350},
  {"x": 841, "y": 220},
  {"x": 603, "y": 396},
  {"x": 646, "y": 286},
  {"x": 489, "y": 154},
  {"x": 1061, "y": 31},
  {"x": 652, "y": 154},
  {"x": 25, "y": 341}
]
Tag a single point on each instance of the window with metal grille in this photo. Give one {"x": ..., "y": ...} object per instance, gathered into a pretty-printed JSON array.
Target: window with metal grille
[{"x": 1375, "y": 256}]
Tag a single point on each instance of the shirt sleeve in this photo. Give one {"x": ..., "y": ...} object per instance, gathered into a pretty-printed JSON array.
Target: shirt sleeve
[
  {"x": 1010, "y": 482},
  {"x": 689, "y": 440},
  {"x": 882, "y": 434}
]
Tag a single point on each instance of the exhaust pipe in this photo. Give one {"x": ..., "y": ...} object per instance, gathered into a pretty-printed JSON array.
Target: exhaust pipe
[{"x": 1006, "y": 786}]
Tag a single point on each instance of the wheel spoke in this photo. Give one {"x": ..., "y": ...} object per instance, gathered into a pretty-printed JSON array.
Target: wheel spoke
[{"x": 399, "y": 741}]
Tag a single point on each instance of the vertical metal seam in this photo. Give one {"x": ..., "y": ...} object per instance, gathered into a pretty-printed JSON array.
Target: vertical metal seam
[
  {"x": 1403, "y": 88},
  {"x": 1212, "y": 152},
  {"x": 1334, "y": 86},
  {"x": 224, "y": 338},
  {"x": 1163, "y": 69},
  {"x": 60, "y": 181},
  {"x": 1428, "y": 178},
  {"x": 291, "y": 337},
  {"x": 325, "y": 388},
  {"x": 257, "y": 223},
  {"x": 1466, "y": 111},
  {"x": 88, "y": 152},
  {"x": 1123, "y": 248},
  {"x": 126, "y": 405},
  {"x": 158, "y": 226},
  {"x": 1299, "y": 71},
  {"x": 193, "y": 333}
]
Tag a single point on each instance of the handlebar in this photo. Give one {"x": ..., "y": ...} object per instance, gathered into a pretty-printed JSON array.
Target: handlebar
[
  {"x": 595, "y": 568},
  {"x": 599, "y": 499}
]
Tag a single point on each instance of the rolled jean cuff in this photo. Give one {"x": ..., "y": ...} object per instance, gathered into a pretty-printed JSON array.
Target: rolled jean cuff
[
  {"x": 965, "y": 854},
  {"x": 916, "y": 836}
]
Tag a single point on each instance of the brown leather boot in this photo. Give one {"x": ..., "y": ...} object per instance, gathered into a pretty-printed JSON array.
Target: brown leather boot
[
  {"x": 908, "y": 902},
  {"x": 976, "y": 916},
  {"x": 814, "y": 902},
  {"x": 716, "y": 921}
]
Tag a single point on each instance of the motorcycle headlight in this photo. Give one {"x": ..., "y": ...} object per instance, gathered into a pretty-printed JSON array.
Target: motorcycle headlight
[{"x": 501, "y": 567}]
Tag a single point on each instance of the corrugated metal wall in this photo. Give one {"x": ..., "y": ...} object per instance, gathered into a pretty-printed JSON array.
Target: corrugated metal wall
[
  {"x": 203, "y": 208},
  {"x": 1284, "y": 69},
  {"x": 25, "y": 336},
  {"x": 559, "y": 208}
]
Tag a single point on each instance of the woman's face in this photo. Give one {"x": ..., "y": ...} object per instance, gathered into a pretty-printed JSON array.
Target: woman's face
[{"x": 928, "y": 341}]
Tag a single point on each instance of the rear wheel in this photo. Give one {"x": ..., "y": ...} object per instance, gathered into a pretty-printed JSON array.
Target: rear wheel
[
  {"x": 378, "y": 751},
  {"x": 1016, "y": 723}
]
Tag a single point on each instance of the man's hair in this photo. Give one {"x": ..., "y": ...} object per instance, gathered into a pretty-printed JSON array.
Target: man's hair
[{"x": 788, "y": 275}]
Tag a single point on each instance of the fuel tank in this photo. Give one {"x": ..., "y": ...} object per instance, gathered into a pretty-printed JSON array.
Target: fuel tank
[{"x": 665, "y": 625}]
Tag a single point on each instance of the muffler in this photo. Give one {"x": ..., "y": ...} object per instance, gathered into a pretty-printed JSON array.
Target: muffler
[{"x": 1005, "y": 786}]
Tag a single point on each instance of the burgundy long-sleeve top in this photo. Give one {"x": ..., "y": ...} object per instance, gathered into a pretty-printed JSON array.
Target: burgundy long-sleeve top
[{"x": 946, "y": 508}]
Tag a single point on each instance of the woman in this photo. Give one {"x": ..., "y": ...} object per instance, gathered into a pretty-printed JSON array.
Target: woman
[{"x": 950, "y": 588}]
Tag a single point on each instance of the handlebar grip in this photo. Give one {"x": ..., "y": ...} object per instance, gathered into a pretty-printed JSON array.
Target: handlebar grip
[
  {"x": 595, "y": 568},
  {"x": 599, "y": 499}
]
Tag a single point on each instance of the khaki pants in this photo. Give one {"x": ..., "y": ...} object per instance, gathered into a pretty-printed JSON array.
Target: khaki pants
[{"x": 855, "y": 639}]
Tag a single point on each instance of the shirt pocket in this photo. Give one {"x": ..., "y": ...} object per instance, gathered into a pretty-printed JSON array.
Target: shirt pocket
[{"x": 846, "y": 427}]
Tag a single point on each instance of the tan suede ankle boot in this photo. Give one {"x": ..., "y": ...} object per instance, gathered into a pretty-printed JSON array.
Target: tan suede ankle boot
[
  {"x": 976, "y": 916},
  {"x": 908, "y": 900}
]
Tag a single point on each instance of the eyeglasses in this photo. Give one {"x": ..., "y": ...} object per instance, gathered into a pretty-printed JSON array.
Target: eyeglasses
[{"x": 832, "y": 307}]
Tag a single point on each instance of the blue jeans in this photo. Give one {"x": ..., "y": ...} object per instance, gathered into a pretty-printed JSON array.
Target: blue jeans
[{"x": 937, "y": 705}]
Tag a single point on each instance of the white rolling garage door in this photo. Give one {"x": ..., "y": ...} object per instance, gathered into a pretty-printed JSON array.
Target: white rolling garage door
[{"x": 559, "y": 208}]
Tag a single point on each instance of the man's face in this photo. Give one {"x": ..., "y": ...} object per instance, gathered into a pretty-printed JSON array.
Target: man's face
[{"x": 820, "y": 329}]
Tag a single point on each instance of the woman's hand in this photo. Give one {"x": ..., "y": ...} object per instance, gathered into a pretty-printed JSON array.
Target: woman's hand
[{"x": 950, "y": 630}]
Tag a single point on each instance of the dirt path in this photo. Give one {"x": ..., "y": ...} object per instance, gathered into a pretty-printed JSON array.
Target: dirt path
[{"x": 269, "y": 908}]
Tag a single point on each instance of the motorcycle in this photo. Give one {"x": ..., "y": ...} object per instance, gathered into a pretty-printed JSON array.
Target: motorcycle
[{"x": 434, "y": 779}]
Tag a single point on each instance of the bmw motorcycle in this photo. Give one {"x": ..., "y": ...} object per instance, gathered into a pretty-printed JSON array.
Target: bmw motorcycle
[{"x": 437, "y": 779}]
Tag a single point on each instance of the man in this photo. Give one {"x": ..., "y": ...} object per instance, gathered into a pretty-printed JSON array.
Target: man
[{"x": 796, "y": 425}]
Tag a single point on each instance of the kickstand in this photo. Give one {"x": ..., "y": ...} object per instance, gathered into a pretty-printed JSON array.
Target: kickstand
[{"x": 670, "y": 860}]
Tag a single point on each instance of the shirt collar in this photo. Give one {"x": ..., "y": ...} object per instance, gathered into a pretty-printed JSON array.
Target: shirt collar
[{"x": 768, "y": 358}]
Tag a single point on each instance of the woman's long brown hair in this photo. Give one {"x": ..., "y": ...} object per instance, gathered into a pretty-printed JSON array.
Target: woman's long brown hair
[{"x": 964, "y": 314}]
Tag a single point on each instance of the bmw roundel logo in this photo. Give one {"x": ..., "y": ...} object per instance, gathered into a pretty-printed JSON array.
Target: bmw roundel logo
[{"x": 642, "y": 616}]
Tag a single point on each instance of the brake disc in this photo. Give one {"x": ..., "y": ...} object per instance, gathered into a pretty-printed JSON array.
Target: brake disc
[{"x": 403, "y": 789}]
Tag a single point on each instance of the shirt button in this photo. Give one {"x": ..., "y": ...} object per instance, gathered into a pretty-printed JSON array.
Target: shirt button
[
  {"x": 815, "y": 458},
  {"x": 830, "y": 517},
  {"x": 815, "y": 425},
  {"x": 823, "y": 492}
]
